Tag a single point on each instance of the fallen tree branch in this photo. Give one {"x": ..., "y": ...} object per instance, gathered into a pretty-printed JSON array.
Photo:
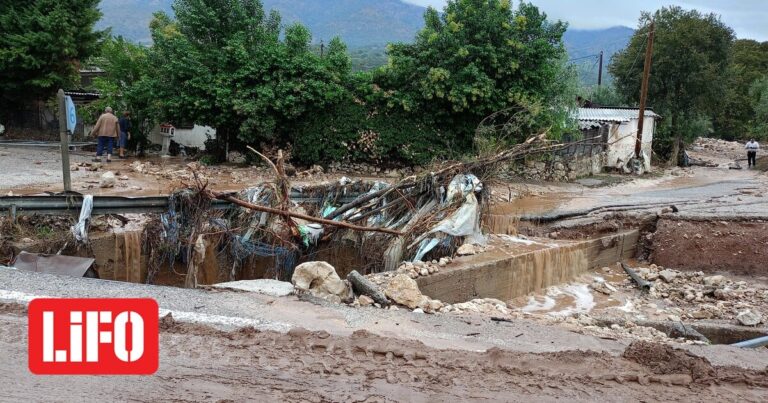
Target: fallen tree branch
[{"x": 223, "y": 196}]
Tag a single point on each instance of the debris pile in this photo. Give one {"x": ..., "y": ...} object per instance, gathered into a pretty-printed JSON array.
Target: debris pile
[{"x": 694, "y": 295}]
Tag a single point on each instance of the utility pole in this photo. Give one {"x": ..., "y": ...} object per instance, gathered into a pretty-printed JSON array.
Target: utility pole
[
  {"x": 64, "y": 137},
  {"x": 322, "y": 48},
  {"x": 600, "y": 71},
  {"x": 644, "y": 89}
]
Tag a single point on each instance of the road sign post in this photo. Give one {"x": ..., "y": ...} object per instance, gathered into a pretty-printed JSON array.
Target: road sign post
[{"x": 64, "y": 137}]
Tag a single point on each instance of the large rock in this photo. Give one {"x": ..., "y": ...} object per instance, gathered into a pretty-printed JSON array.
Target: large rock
[
  {"x": 603, "y": 287},
  {"x": 403, "y": 290},
  {"x": 668, "y": 275},
  {"x": 714, "y": 280},
  {"x": 320, "y": 279},
  {"x": 107, "y": 180},
  {"x": 749, "y": 318}
]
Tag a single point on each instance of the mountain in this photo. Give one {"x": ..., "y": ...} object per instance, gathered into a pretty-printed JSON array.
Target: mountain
[
  {"x": 584, "y": 46},
  {"x": 365, "y": 25},
  {"x": 585, "y": 42},
  {"x": 359, "y": 22}
]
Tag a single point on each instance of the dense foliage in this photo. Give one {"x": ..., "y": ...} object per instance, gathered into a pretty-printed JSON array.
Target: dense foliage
[
  {"x": 690, "y": 54},
  {"x": 41, "y": 45},
  {"x": 474, "y": 59},
  {"x": 126, "y": 86},
  {"x": 225, "y": 64},
  {"x": 230, "y": 65},
  {"x": 703, "y": 81}
]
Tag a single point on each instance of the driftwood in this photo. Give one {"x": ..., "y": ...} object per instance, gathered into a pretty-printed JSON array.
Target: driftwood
[
  {"x": 223, "y": 196},
  {"x": 363, "y": 286},
  {"x": 642, "y": 284}
]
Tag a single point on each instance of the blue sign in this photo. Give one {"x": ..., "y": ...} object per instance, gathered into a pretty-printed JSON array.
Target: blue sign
[{"x": 71, "y": 114}]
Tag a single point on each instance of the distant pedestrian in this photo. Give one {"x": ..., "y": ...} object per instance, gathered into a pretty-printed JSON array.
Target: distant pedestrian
[
  {"x": 752, "y": 147},
  {"x": 106, "y": 130},
  {"x": 125, "y": 132}
]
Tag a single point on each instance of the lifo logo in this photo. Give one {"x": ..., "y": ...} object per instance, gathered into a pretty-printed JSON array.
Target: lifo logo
[{"x": 93, "y": 336}]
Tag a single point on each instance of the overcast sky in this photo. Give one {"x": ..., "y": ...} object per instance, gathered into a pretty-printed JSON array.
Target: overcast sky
[{"x": 749, "y": 18}]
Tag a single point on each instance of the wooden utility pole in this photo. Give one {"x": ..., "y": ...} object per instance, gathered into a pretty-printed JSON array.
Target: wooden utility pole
[
  {"x": 64, "y": 137},
  {"x": 644, "y": 89},
  {"x": 600, "y": 71}
]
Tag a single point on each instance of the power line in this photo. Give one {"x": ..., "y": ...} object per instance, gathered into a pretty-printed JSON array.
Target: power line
[
  {"x": 583, "y": 57},
  {"x": 640, "y": 50}
]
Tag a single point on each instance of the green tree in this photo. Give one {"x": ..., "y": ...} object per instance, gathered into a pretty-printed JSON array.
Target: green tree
[
  {"x": 126, "y": 86},
  {"x": 42, "y": 43},
  {"x": 748, "y": 64},
  {"x": 690, "y": 55},
  {"x": 476, "y": 58},
  {"x": 759, "y": 94},
  {"x": 222, "y": 63}
]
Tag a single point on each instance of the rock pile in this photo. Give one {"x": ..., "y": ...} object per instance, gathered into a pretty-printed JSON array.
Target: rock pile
[
  {"x": 694, "y": 295},
  {"x": 485, "y": 306},
  {"x": 415, "y": 270},
  {"x": 371, "y": 170}
]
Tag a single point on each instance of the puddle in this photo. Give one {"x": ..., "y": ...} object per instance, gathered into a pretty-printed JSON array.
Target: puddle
[{"x": 562, "y": 301}]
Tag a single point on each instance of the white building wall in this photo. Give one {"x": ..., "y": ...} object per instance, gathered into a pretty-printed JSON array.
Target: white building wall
[
  {"x": 195, "y": 137},
  {"x": 621, "y": 143}
]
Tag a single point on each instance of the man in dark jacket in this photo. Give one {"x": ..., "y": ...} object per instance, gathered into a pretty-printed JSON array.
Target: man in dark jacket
[{"x": 125, "y": 132}]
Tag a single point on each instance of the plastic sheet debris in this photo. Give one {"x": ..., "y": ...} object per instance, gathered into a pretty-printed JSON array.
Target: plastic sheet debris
[
  {"x": 464, "y": 222},
  {"x": 56, "y": 264},
  {"x": 310, "y": 233},
  {"x": 461, "y": 186},
  {"x": 80, "y": 229}
]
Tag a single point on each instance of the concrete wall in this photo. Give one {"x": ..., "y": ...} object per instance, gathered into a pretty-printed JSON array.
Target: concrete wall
[
  {"x": 506, "y": 277},
  {"x": 622, "y": 139},
  {"x": 195, "y": 137}
]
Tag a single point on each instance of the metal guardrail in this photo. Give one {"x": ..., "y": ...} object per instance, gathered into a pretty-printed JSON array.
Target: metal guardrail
[
  {"x": 48, "y": 144},
  {"x": 71, "y": 204}
]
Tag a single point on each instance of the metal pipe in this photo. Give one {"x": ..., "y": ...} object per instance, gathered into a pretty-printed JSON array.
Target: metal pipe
[
  {"x": 71, "y": 204},
  {"x": 754, "y": 343},
  {"x": 644, "y": 285}
]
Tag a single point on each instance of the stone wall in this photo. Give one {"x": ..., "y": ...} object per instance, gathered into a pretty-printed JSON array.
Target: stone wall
[{"x": 559, "y": 168}]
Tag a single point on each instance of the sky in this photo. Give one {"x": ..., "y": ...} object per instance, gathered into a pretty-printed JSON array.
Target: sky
[{"x": 748, "y": 18}]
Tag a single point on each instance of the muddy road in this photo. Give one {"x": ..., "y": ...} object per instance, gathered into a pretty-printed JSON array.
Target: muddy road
[{"x": 198, "y": 363}]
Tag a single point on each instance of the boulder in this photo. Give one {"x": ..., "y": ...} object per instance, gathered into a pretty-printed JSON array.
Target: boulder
[
  {"x": 603, "y": 287},
  {"x": 469, "y": 249},
  {"x": 749, "y": 318},
  {"x": 320, "y": 279},
  {"x": 107, "y": 180},
  {"x": 668, "y": 275},
  {"x": 714, "y": 280},
  {"x": 365, "y": 300},
  {"x": 403, "y": 290}
]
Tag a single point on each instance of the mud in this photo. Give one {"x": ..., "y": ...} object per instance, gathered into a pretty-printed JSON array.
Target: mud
[
  {"x": 202, "y": 363},
  {"x": 737, "y": 247}
]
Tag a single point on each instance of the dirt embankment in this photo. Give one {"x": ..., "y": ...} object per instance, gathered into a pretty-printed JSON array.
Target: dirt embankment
[
  {"x": 200, "y": 363},
  {"x": 738, "y": 247}
]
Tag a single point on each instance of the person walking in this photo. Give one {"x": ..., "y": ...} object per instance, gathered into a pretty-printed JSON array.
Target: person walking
[
  {"x": 125, "y": 132},
  {"x": 752, "y": 147},
  {"x": 106, "y": 130}
]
